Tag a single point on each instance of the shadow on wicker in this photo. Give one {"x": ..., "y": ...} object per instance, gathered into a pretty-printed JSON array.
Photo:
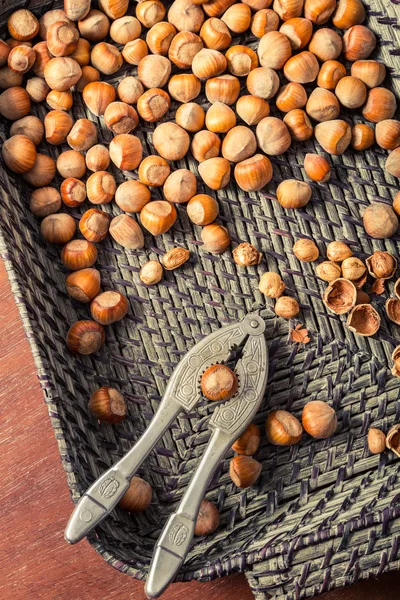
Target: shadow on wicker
[{"x": 323, "y": 513}]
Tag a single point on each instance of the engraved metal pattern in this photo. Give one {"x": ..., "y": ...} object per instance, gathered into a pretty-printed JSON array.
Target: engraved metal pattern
[
  {"x": 108, "y": 487},
  {"x": 178, "y": 534}
]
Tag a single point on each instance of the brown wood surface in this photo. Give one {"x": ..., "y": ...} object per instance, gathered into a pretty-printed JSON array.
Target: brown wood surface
[{"x": 35, "y": 561}]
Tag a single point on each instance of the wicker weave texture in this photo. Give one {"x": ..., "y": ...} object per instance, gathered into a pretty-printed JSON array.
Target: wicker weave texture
[{"x": 323, "y": 513}]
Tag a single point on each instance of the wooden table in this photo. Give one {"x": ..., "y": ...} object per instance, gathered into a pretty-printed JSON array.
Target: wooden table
[{"x": 35, "y": 561}]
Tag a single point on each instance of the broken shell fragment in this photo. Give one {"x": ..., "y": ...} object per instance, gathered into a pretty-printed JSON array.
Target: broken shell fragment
[
  {"x": 397, "y": 288},
  {"x": 340, "y": 296},
  {"x": 381, "y": 265},
  {"x": 392, "y": 307},
  {"x": 364, "y": 320},
  {"x": 393, "y": 439},
  {"x": 396, "y": 362}
]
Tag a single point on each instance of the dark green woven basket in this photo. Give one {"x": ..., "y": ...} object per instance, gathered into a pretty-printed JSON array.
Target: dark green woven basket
[{"x": 323, "y": 513}]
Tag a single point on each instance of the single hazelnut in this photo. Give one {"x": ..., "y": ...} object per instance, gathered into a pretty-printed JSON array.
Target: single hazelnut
[
  {"x": 21, "y": 59},
  {"x": 215, "y": 34},
  {"x": 120, "y": 117},
  {"x": 153, "y": 171},
  {"x": 351, "y": 92},
  {"x": 30, "y": 126},
  {"x": 317, "y": 168},
  {"x": 239, "y": 144},
  {"x": 101, "y": 187},
  {"x": 207, "y": 519},
  {"x": 322, "y": 105},
  {"x": 61, "y": 73},
  {"x": 85, "y": 337},
  {"x": 83, "y": 285},
  {"x": 108, "y": 405},
  {"x": 183, "y": 48},
  {"x": 106, "y": 58},
  {"x": 186, "y": 15},
  {"x": 97, "y": 95},
  {"x": 184, "y": 87},
  {"x": 153, "y": 105},
  {"x": 159, "y": 37},
  {"x": 158, "y": 216},
  {"x": 151, "y": 272},
  {"x": 288, "y": 9},
  {"x": 252, "y": 109},
  {"x": 340, "y": 296},
  {"x": 15, "y": 103},
  {"x": 76, "y": 10},
  {"x": 254, "y": 173},
  {"x": 319, "y": 419},
  {"x": 109, "y": 307},
  {"x": 371, "y": 72},
  {"x": 137, "y": 497},
  {"x": 262, "y": 82},
  {"x": 353, "y": 268},
  {"x": 381, "y": 265},
  {"x": 242, "y": 60},
  {"x": 42, "y": 172},
  {"x": 73, "y": 192},
  {"x": 171, "y": 141},
  {"x": 71, "y": 164},
  {"x": 225, "y": 88},
  {"x": 97, "y": 158},
  {"x": 338, "y": 251},
  {"x": 19, "y": 153},
  {"x": 271, "y": 285},
  {"x": 219, "y": 383},
  {"x": 298, "y": 31},
  {"x": 244, "y": 471},
  {"x": 154, "y": 71},
  {"x": 134, "y": 52},
  {"x": 180, "y": 186},
  {"x": 94, "y": 27},
  {"x": 364, "y": 320},
  {"x": 291, "y": 193},
  {"x": 380, "y": 221},
  {"x": 302, "y": 67},
  {"x": 58, "y": 228},
  {"x": 79, "y": 254},
  {"x": 114, "y": 9},
  {"x": 23, "y": 25},
  {"x": 274, "y": 50},
  {"x": 328, "y": 271},
  {"x": 287, "y": 307},
  {"x": 45, "y": 201},
  {"x": 362, "y": 137},
  {"x": 237, "y": 17},
  {"x": 248, "y": 442},
  {"x": 298, "y": 124},
  {"x": 273, "y": 137},
  {"x": 125, "y": 29},
  {"x": 215, "y": 8},
  {"x": 358, "y": 42},
  {"x": 376, "y": 441},
  {"x": 60, "y": 100},
  {"x": 62, "y": 38},
  {"x": 306, "y": 250},
  {"x": 291, "y": 96},
  {"x": 190, "y": 116},
  {"x": 202, "y": 209},
  {"x": 205, "y": 145},
  {"x": 326, "y": 44},
  {"x": 246, "y": 255},
  {"x": 126, "y": 232},
  {"x": 9, "y": 78},
  {"x": 94, "y": 225},
  {"x": 330, "y": 74},
  {"x": 264, "y": 20},
  {"x": 381, "y": 105},
  {"x": 334, "y": 136},
  {"x": 348, "y": 13},
  {"x": 392, "y": 164},
  {"x": 392, "y": 308},
  {"x": 130, "y": 89},
  {"x": 387, "y": 134},
  {"x": 220, "y": 118},
  {"x": 215, "y": 172},
  {"x": 216, "y": 238},
  {"x": 126, "y": 151},
  {"x": 83, "y": 135},
  {"x": 283, "y": 429}
]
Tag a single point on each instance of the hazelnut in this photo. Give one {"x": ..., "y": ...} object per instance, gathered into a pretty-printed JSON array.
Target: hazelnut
[
  {"x": 338, "y": 251},
  {"x": 94, "y": 27},
  {"x": 108, "y": 405},
  {"x": 254, "y": 173},
  {"x": 330, "y": 74},
  {"x": 126, "y": 232},
  {"x": 334, "y": 136},
  {"x": 328, "y": 271},
  {"x": 132, "y": 195},
  {"x": 273, "y": 136},
  {"x": 291, "y": 96},
  {"x": 134, "y": 52},
  {"x": 184, "y": 87},
  {"x": 62, "y": 38},
  {"x": 83, "y": 285},
  {"x": 126, "y": 151},
  {"x": 274, "y": 50},
  {"x": 244, "y": 471},
  {"x": 175, "y": 258},
  {"x": 58, "y": 229},
  {"x": 392, "y": 164},
  {"x": 97, "y": 95},
  {"x": 239, "y": 144},
  {"x": 61, "y": 73},
  {"x": 49, "y": 17},
  {"x": 263, "y": 82},
  {"x": 159, "y": 37},
  {"x": 205, "y": 145},
  {"x": 381, "y": 105},
  {"x": 15, "y": 103},
  {"x": 21, "y": 59},
  {"x": 154, "y": 71},
  {"x": 364, "y": 320},
  {"x": 97, "y": 158},
  {"x": 171, "y": 141},
  {"x": 137, "y": 497},
  {"x": 184, "y": 47},
  {"x": 76, "y": 10},
  {"x": 371, "y": 72},
  {"x": 271, "y": 285},
  {"x": 109, "y": 307},
  {"x": 158, "y": 216},
  {"x": 151, "y": 12},
  {"x": 190, "y": 116},
  {"x": 79, "y": 254},
  {"x": 298, "y": 31},
  {"x": 317, "y": 168},
  {"x": 319, "y": 11},
  {"x": 237, "y": 17},
  {"x": 30, "y": 126},
  {"x": 301, "y": 68},
  {"x": 326, "y": 44},
  {"x": 215, "y": 34},
  {"x": 387, "y": 134},
  {"x": 71, "y": 164},
  {"x": 242, "y": 60},
  {"x": 252, "y": 109},
  {"x": 246, "y": 255},
  {"x": 114, "y": 9},
  {"x": 215, "y": 8},
  {"x": 263, "y": 21},
  {"x": 248, "y": 442},
  {"x": 106, "y": 58},
  {"x": 180, "y": 186},
  {"x": 207, "y": 519},
  {"x": 73, "y": 192},
  {"x": 225, "y": 88},
  {"x": 9, "y": 78},
  {"x": 153, "y": 171},
  {"x": 151, "y": 272},
  {"x": 19, "y": 153},
  {"x": 220, "y": 118},
  {"x": 287, "y": 307},
  {"x": 125, "y": 29},
  {"x": 215, "y": 172},
  {"x": 215, "y": 238},
  {"x": 351, "y": 92},
  {"x": 340, "y": 296},
  {"x": 101, "y": 187},
  {"x": 130, "y": 89},
  {"x": 186, "y": 15},
  {"x": 219, "y": 383},
  {"x": 380, "y": 221},
  {"x": 353, "y": 268},
  {"x": 358, "y": 42},
  {"x": 23, "y": 25},
  {"x": 283, "y": 429},
  {"x": 306, "y": 250},
  {"x": 362, "y": 137},
  {"x": 298, "y": 124},
  {"x": 202, "y": 209},
  {"x": 45, "y": 201},
  {"x": 348, "y": 13},
  {"x": 153, "y": 104},
  {"x": 376, "y": 441},
  {"x": 322, "y": 105},
  {"x": 319, "y": 419},
  {"x": 381, "y": 265},
  {"x": 59, "y": 100},
  {"x": 120, "y": 117},
  {"x": 94, "y": 225},
  {"x": 42, "y": 172},
  {"x": 293, "y": 194},
  {"x": 83, "y": 135}
]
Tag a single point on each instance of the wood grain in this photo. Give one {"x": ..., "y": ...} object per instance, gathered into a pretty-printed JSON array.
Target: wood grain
[{"x": 35, "y": 561}]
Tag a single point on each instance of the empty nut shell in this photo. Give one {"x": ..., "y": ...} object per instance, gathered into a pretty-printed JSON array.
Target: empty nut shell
[
  {"x": 364, "y": 320},
  {"x": 381, "y": 265},
  {"x": 340, "y": 296},
  {"x": 392, "y": 307},
  {"x": 393, "y": 439}
]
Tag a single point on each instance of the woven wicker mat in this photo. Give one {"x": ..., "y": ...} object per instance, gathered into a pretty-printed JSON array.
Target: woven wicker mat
[{"x": 323, "y": 513}]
